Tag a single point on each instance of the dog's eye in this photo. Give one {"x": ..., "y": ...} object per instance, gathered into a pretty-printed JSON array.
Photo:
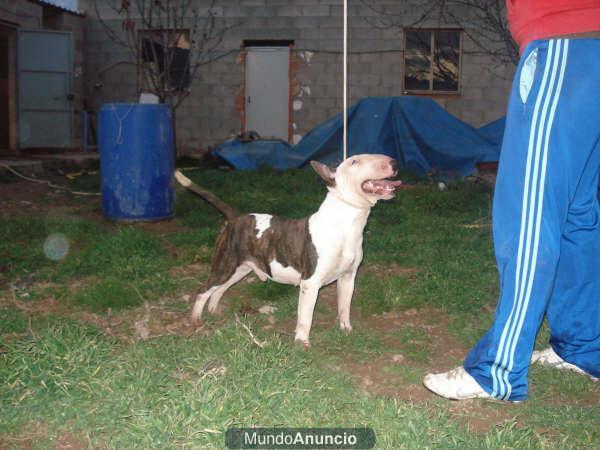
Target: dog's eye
[{"x": 354, "y": 161}]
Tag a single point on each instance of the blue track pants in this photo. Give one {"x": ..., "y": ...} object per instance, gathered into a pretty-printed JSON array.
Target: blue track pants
[{"x": 546, "y": 218}]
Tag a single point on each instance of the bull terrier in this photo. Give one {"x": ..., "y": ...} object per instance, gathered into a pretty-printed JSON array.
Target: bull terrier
[{"x": 310, "y": 252}]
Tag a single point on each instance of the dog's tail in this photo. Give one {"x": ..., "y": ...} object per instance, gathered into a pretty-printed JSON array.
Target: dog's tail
[{"x": 211, "y": 198}]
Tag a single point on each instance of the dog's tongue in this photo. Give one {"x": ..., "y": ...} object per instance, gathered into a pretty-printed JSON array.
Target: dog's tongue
[{"x": 381, "y": 187}]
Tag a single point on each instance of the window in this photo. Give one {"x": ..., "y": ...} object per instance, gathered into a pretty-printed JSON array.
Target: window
[
  {"x": 165, "y": 55},
  {"x": 432, "y": 61}
]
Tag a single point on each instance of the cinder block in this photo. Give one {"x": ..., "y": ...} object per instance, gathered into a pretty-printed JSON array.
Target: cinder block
[
  {"x": 369, "y": 80},
  {"x": 288, "y": 11},
  {"x": 253, "y": 3},
  {"x": 316, "y": 10}
]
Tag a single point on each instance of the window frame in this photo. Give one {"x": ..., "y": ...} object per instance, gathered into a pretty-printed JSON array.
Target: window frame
[
  {"x": 143, "y": 34},
  {"x": 431, "y": 91}
]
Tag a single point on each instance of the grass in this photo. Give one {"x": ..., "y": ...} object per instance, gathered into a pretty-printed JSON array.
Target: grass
[
  {"x": 413, "y": 342},
  {"x": 22, "y": 240},
  {"x": 176, "y": 392},
  {"x": 68, "y": 378}
]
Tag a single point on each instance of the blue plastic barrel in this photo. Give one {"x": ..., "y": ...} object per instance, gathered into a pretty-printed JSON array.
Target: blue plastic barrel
[{"x": 136, "y": 161}]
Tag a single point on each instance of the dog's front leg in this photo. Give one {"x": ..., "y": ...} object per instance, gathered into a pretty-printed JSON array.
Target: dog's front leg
[
  {"x": 306, "y": 305},
  {"x": 345, "y": 289}
]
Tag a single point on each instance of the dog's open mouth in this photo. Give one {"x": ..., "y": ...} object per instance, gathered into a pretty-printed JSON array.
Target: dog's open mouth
[{"x": 381, "y": 187}]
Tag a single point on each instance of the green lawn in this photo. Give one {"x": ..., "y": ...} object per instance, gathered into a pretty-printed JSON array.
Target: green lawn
[{"x": 96, "y": 350}]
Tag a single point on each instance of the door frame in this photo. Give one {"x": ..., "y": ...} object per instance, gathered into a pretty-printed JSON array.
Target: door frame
[
  {"x": 10, "y": 30},
  {"x": 244, "y": 53},
  {"x": 69, "y": 87}
]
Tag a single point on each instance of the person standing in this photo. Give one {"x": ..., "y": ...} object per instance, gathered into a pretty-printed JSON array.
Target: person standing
[{"x": 546, "y": 215}]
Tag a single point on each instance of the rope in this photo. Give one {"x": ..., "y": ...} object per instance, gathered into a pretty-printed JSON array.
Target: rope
[
  {"x": 120, "y": 120},
  {"x": 345, "y": 89},
  {"x": 50, "y": 184}
]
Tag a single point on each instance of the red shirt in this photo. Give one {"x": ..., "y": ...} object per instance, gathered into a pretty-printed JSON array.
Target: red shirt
[{"x": 539, "y": 19}]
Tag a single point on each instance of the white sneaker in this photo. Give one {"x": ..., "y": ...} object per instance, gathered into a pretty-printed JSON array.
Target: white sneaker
[
  {"x": 550, "y": 358},
  {"x": 455, "y": 384}
]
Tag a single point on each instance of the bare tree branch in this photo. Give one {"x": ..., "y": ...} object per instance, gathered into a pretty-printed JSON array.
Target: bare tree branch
[
  {"x": 167, "y": 39},
  {"x": 483, "y": 22}
]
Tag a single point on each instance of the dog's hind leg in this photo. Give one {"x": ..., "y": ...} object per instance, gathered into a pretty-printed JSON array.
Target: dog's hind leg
[
  {"x": 201, "y": 300},
  {"x": 224, "y": 267},
  {"x": 216, "y": 295},
  {"x": 218, "y": 285}
]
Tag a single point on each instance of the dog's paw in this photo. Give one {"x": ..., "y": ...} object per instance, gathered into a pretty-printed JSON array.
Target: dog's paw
[
  {"x": 303, "y": 344},
  {"x": 345, "y": 326},
  {"x": 195, "y": 320}
]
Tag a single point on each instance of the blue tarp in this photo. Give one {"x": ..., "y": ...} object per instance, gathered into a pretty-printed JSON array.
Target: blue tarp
[
  {"x": 255, "y": 154},
  {"x": 493, "y": 132},
  {"x": 419, "y": 133}
]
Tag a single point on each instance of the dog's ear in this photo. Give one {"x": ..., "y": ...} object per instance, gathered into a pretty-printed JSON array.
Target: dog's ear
[{"x": 324, "y": 172}]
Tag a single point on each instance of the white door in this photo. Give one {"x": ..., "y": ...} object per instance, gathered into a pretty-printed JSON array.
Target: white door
[
  {"x": 45, "y": 63},
  {"x": 267, "y": 91}
]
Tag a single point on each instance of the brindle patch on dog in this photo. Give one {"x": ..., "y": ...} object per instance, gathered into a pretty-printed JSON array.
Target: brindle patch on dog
[{"x": 286, "y": 240}]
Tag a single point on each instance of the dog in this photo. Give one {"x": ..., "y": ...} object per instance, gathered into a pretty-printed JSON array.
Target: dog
[{"x": 310, "y": 252}]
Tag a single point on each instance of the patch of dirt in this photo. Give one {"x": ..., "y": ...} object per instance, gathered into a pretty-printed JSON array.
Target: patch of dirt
[
  {"x": 373, "y": 378},
  {"x": 30, "y": 198},
  {"x": 190, "y": 271},
  {"x": 162, "y": 227},
  {"x": 79, "y": 283},
  {"x": 481, "y": 416},
  {"x": 39, "y": 307},
  {"x": 151, "y": 320},
  {"x": 381, "y": 376},
  {"x": 27, "y": 197},
  {"x": 591, "y": 398},
  {"x": 444, "y": 350},
  {"x": 385, "y": 270},
  {"x": 45, "y": 285},
  {"x": 36, "y": 433},
  {"x": 377, "y": 376},
  {"x": 66, "y": 440}
]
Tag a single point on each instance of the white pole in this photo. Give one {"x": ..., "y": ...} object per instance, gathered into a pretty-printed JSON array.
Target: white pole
[{"x": 345, "y": 82}]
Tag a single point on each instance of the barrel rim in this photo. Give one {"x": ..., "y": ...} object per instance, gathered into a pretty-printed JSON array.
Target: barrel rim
[{"x": 129, "y": 105}]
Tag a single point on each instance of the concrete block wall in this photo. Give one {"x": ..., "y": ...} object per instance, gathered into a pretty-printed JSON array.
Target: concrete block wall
[
  {"x": 212, "y": 114},
  {"x": 21, "y": 13}
]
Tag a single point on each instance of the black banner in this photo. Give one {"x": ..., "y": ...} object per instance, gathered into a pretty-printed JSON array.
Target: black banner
[{"x": 300, "y": 438}]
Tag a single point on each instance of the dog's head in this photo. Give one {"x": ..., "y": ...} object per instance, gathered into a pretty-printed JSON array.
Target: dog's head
[{"x": 361, "y": 180}]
